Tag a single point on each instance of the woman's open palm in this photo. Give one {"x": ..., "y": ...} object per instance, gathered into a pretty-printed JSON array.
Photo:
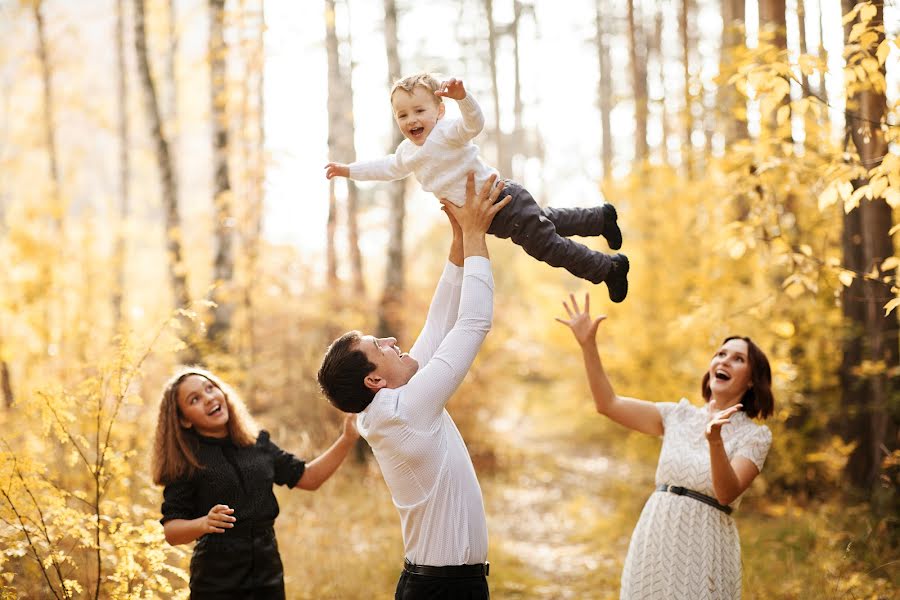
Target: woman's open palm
[{"x": 583, "y": 327}]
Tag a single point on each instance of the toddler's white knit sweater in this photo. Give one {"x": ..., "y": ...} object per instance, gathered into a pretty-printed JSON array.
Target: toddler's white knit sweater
[{"x": 441, "y": 163}]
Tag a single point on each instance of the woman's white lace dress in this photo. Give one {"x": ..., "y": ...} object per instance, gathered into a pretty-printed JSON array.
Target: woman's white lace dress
[{"x": 682, "y": 548}]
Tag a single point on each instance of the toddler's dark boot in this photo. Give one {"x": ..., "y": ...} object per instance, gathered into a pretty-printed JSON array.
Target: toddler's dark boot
[
  {"x": 617, "y": 278},
  {"x": 611, "y": 230}
]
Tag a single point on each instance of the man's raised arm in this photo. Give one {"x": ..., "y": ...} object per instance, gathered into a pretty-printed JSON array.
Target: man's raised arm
[
  {"x": 432, "y": 386},
  {"x": 444, "y": 309}
]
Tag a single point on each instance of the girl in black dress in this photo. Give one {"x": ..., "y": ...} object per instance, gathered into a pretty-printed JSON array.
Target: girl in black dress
[{"x": 218, "y": 470}]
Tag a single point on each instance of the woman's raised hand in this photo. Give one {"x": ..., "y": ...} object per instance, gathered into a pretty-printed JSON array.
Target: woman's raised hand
[
  {"x": 717, "y": 418},
  {"x": 583, "y": 327},
  {"x": 218, "y": 519}
]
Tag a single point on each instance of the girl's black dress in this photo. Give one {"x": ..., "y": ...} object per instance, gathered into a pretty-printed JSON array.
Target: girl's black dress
[{"x": 242, "y": 563}]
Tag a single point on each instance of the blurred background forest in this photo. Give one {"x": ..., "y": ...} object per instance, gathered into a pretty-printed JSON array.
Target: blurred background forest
[{"x": 163, "y": 200}]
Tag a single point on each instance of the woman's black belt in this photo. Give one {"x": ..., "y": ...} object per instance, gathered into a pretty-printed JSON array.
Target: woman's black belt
[
  {"x": 450, "y": 572},
  {"x": 680, "y": 491}
]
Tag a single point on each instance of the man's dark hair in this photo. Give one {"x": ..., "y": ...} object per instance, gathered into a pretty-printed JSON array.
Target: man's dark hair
[
  {"x": 343, "y": 372},
  {"x": 758, "y": 400}
]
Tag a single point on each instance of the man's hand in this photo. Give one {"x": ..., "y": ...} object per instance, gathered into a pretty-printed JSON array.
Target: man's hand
[
  {"x": 452, "y": 88},
  {"x": 333, "y": 169},
  {"x": 476, "y": 215},
  {"x": 456, "y": 246}
]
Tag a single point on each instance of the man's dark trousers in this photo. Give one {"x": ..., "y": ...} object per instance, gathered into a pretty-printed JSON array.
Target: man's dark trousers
[{"x": 422, "y": 587}]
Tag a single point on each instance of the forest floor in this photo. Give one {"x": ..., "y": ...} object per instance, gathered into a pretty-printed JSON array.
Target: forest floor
[{"x": 561, "y": 504}]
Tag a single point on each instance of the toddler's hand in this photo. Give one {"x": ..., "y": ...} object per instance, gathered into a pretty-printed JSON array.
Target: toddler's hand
[
  {"x": 333, "y": 169},
  {"x": 452, "y": 88},
  {"x": 218, "y": 519}
]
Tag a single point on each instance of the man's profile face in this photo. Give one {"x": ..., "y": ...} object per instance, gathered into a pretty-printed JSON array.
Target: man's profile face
[{"x": 392, "y": 365}]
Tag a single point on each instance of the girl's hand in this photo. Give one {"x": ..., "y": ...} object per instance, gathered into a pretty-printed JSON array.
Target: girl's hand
[
  {"x": 583, "y": 327},
  {"x": 452, "y": 88},
  {"x": 333, "y": 169},
  {"x": 218, "y": 519},
  {"x": 717, "y": 418},
  {"x": 350, "y": 430}
]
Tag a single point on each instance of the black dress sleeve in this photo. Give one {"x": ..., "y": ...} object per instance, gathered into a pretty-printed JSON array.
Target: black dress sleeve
[
  {"x": 288, "y": 468},
  {"x": 178, "y": 501}
]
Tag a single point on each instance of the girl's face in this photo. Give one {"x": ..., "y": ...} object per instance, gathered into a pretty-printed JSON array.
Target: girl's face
[
  {"x": 729, "y": 372},
  {"x": 416, "y": 113},
  {"x": 202, "y": 405}
]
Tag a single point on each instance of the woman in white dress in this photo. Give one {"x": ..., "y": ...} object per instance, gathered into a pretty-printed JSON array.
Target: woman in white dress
[{"x": 685, "y": 545}]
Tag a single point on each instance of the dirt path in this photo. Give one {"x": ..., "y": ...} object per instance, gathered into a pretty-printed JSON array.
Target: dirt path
[{"x": 554, "y": 523}]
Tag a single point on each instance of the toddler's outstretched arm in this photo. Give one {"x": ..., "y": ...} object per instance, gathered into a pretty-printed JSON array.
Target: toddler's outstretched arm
[
  {"x": 334, "y": 169},
  {"x": 452, "y": 88}
]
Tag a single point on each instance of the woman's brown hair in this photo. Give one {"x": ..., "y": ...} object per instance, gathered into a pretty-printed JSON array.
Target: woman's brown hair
[
  {"x": 175, "y": 447},
  {"x": 758, "y": 400}
]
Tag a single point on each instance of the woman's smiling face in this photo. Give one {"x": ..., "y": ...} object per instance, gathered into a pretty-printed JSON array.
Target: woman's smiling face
[
  {"x": 729, "y": 372},
  {"x": 203, "y": 406}
]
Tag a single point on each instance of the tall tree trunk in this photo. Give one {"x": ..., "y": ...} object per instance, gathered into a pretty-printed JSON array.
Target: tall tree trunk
[
  {"x": 170, "y": 110},
  {"x": 169, "y": 185},
  {"x": 253, "y": 146},
  {"x": 6, "y": 384},
  {"x": 356, "y": 266},
  {"x": 518, "y": 140},
  {"x": 331, "y": 266},
  {"x": 730, "y": 100},
  {"x": 873, "y": 336},
  {"x": 655, "y": 49},
  {"x": 604, "y": 91},
  {"x": 503, "y": 161},
  {"x": 823, "y": 54},
  {"x": 124, "y": 169},
  {"x": 686, "y": 9},
  {"x": 637, "y": 50},
  {"x": 801, "y": 25},
  {"x": 390, "y": 316},
  {"x": 773, "y": 16},
  {"x": 223, "y": 266},
  {"x": 56, "y": 210},
  {"x": 49, "y": 138}
]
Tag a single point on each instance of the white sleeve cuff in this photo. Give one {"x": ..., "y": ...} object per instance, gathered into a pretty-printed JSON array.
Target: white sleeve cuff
[
  {"x": 452, "y": 274},
  {"x": 477, "y": 265}
]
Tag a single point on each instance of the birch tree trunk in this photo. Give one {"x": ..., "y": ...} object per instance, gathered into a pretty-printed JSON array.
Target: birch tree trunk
[
  {"x": 119, "y": 251},
  {"x": 253, "y": 150},
  {"x": 170, "y": 110},
  {"x": 341, "y": 147},
  {"x": 56, "y": 209},
  {"x": 604, "y": 88},
  {"x": 873, "y": 336},
  {"x": 730, "y": 100},
  {"x": 223, "y": 266},
  {"x": 390, "y": 317},
  {"x": 773, "y": 16},
  {"x": 169, "y": 185},
  {"x": 686, "y": 9},
  {"x": 639, "y": 81},
  {"x": 503, "y": 161},
  {"x": 654, "y": 48},
  {"x": 6, "y": 384}
]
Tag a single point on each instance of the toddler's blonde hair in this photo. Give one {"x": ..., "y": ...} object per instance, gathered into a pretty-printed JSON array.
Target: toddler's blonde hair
[{"x": 409, "y": 83}]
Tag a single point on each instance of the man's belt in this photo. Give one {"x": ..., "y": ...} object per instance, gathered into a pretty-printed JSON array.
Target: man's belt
[{"x": 448, "y": 572}]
